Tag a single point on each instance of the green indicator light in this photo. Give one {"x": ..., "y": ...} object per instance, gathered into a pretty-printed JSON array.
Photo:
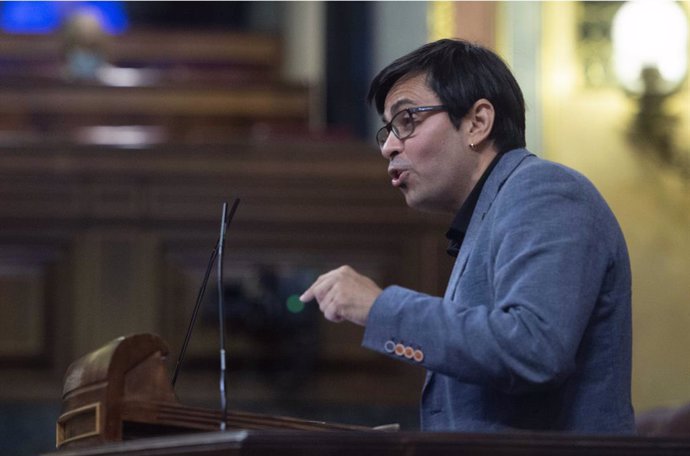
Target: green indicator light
[{"x": 294, "y": 305}]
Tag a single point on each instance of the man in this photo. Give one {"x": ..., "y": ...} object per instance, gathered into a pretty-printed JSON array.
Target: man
[{"x": 534, "y": 329}]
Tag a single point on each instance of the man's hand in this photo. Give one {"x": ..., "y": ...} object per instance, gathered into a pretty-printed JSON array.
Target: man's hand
[{"x": 343, "y": 294}]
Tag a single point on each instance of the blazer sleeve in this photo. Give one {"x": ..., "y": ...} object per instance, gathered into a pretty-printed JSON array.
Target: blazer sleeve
[{"x": 517, "y": 314}]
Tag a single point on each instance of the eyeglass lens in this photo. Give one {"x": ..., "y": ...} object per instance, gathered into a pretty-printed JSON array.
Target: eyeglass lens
[{"x": 401, "y": 125}]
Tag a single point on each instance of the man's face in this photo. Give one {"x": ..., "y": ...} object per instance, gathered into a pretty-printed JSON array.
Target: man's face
[{"x": 434, "y": 167}]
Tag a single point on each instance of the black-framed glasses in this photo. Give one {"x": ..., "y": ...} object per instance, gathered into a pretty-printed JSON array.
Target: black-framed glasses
[{"x": 403, "y": 122}]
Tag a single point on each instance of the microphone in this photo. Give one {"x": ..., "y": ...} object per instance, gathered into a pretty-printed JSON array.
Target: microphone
[
  {"x": 218, "y": 251},
  {"x": 221, "y": 308}
]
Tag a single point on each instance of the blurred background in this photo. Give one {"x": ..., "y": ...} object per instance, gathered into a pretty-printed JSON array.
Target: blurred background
[{"x": 125, "y": 125}]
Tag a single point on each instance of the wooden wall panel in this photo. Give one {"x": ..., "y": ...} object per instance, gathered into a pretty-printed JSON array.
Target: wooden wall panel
[{"x": 137, "y": 226}]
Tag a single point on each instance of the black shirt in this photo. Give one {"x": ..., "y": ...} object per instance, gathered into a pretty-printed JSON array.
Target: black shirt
[{"x": 458, "y": 229}]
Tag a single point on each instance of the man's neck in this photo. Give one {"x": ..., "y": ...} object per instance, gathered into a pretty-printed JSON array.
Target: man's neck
[{"x": 484, "y": 159}]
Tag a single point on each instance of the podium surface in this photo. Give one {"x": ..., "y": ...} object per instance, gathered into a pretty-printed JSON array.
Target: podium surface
[{"x": 360, "y": 443}]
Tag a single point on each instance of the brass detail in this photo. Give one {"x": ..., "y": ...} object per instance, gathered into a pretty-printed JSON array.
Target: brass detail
[{"x": 64, "y": 419}]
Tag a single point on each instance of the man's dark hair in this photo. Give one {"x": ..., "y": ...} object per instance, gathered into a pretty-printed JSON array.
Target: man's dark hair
[{"x": 460, "y": 73}]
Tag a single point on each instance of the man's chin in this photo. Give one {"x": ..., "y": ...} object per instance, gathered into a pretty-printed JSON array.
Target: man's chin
[
  {"x": 417, "y": 203},
  {"x": 420, "y": 204}
]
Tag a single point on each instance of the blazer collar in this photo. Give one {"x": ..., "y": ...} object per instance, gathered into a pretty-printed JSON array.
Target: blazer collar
[
  {"x": 504, "y": 168},
  {"x": 458, "y": 229}
]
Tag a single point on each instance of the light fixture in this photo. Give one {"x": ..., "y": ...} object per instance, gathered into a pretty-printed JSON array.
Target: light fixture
[
  {"x": 650, "y": 59},
  {"x": 650, "y": 35}
]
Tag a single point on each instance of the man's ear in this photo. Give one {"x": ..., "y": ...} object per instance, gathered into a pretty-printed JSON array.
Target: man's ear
[{"x": 481, "y": 121}]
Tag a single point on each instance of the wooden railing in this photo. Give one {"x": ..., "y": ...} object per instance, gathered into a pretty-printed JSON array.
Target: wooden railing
[{"x": 189, "y": 85}]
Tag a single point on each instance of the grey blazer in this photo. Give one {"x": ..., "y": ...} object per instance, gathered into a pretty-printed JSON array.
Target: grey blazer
[{"x": 534, "y": 330}]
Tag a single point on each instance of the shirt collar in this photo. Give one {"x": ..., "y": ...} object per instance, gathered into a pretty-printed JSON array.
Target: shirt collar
[{"x": 458, "y": 229}]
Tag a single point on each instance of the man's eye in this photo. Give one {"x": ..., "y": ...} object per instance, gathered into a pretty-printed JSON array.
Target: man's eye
[{"x": 406, "y": 120}]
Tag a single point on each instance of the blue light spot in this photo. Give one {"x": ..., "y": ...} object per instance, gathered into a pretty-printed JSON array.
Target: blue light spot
[
  {"x": 47, "y": 17},
  {"x": 29, "y": 17}
]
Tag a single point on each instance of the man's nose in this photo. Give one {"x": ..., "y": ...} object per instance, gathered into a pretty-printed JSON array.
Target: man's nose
[{"x": 391, "y": 147}]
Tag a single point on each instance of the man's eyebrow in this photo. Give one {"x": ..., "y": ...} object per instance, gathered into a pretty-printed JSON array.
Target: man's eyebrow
[{"x": 397, "y": 107}]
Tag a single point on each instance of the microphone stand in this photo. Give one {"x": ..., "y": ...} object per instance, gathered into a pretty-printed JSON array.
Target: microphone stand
[
  {"x": 221, "y": 309},
  {"x": 221, "y": 321},
  {"x": 218, "y": 252}
]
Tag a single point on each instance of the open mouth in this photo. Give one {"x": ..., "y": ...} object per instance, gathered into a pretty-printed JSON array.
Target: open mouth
[{"x": 398, "y": 177}]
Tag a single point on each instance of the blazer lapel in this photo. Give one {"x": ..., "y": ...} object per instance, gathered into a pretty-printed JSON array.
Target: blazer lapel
[{"x": 504, "y": 168}]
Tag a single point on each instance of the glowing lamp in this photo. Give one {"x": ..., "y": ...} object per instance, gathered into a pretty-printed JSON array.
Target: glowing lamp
[{"x": 650, "y": 39}]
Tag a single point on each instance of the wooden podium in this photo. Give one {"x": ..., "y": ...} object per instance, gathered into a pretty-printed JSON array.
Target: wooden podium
[
  {"x": 122, "y": 391},
  {"x": 118, "y": 401}
]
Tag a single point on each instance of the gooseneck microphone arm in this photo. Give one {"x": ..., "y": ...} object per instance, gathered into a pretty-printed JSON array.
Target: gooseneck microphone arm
[
  {"x": 221, "y": 308},
  {"x": 218, "y": 252},
  {"x": 221, "y": 320}
]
